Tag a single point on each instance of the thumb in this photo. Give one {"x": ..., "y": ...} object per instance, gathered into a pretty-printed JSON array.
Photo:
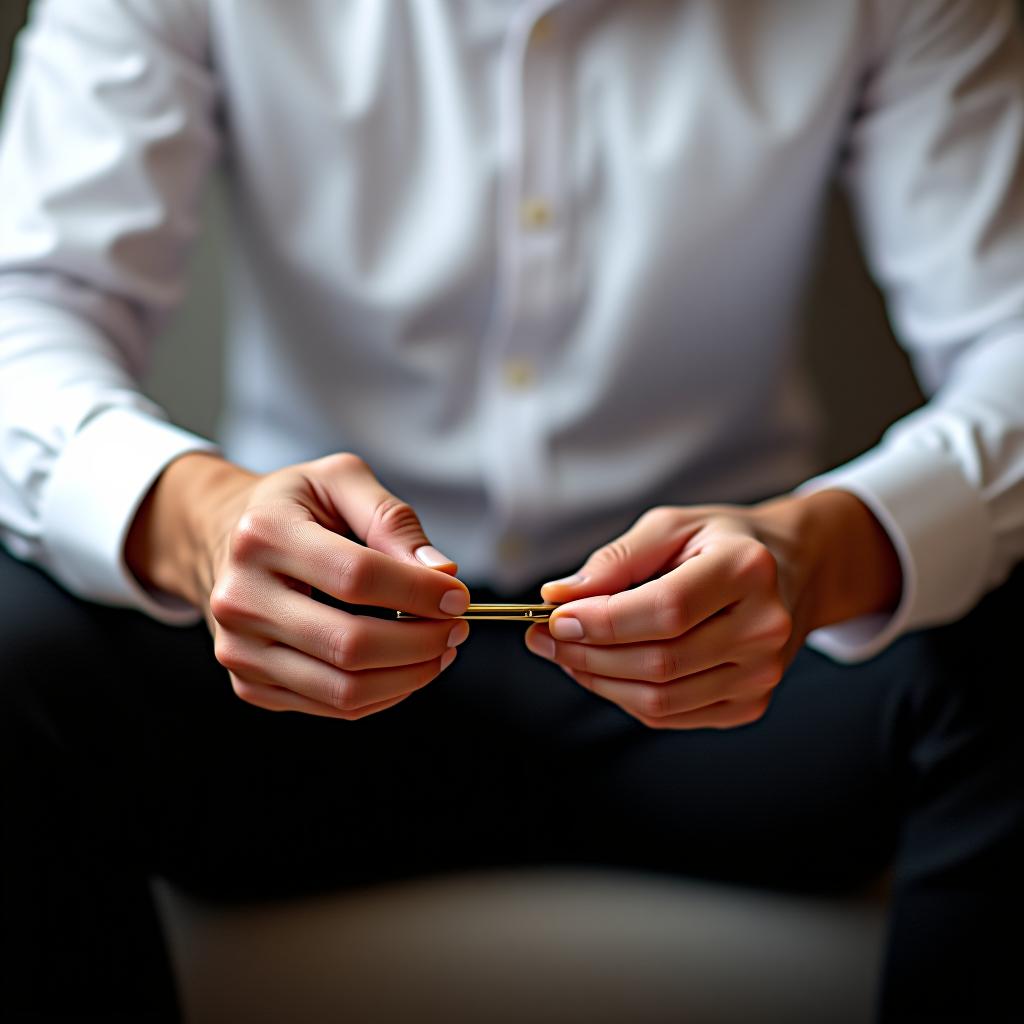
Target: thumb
[
  {"x": 640, "y": 553},
  {"x": 377, "y": 517}
]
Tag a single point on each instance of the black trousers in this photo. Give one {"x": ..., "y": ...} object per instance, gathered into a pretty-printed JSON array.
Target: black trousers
[{"x": 125, "y": 753}]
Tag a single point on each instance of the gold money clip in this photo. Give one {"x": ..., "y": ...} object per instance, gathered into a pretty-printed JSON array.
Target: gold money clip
[{"x": 501, "y": 612}]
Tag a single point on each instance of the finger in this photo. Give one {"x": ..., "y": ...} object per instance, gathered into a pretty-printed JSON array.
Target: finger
[
  {"x": 276, "y": 665},
  {"x": 727, "y": 715},
  {"x": 651, "y": 700},
  {"x": 656, "y": 662},
  {"x": 721, "y": 715},
  {"x": 375, "y": 515},
  {"x": 663, "y": 608},
  {"x": 637, "y": 555},
  {"x": 349, "y": 691},
  {"x": 356, "y": 643},
  {"x": 275, "y": 698},
  {"x": 742, "y": 632},
  {"x": 273, "y": 541}
]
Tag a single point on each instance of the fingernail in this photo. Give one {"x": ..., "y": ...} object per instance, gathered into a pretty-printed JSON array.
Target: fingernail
[
  {"x": 455, "y": 602},
  {"x": 458, "y": 634},
  {"x": 565, "y": 627},
  {"x": 447, "y": 658},
  {"x": 431, "y": 557},
  {"x": 542, "y": 644},
  {"x": 566, "y": 581}
]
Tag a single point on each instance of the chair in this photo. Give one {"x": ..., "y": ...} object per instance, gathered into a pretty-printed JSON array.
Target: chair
[{"x": 558, "y": 945}]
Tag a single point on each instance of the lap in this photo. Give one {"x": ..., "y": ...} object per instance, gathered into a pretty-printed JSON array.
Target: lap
[{"x": 501, "y": 760}]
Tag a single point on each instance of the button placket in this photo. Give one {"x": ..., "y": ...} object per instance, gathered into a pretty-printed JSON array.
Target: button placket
[
  {"x": 532, "y": 219},
  {"x": 544, "y": 206}
]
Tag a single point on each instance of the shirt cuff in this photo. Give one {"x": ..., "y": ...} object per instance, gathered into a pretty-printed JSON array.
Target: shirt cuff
[
  {"x": 940, "y": 528},
  {"x": 97, "y": 484}
]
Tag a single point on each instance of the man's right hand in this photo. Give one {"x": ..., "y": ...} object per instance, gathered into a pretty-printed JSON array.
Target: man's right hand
[{"x": 249, "y": 550}]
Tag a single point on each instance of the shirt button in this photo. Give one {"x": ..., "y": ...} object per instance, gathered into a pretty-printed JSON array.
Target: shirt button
[
  {"x": 536, "y": 214},
  {"x": 518, "y": 374},
  {"x": 543, "y": 30}
]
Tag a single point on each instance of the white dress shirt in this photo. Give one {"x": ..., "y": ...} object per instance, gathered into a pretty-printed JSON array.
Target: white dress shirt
[{"x": 539, "y": 263}]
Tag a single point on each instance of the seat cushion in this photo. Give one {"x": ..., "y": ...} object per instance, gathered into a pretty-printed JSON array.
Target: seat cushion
[{"x": 534, "y": 945}]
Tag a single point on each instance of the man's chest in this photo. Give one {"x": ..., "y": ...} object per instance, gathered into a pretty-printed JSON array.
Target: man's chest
[{"x": 392, "y": 133}]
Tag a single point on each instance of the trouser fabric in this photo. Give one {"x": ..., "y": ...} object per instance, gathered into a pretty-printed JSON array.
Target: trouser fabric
[{"x": 125, "y": 754}]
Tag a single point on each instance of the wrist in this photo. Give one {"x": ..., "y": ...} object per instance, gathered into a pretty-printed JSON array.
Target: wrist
[
  {"x": 843, "y": 563},
  {"x": 171, "y": 540}
]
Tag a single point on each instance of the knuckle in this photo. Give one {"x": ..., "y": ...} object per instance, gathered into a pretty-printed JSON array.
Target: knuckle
[
  {"x": 653, "y": 703},
  {"x": 355, "y": 575},
  {"x": 781, "y": 627},
  {"x": 343, "y": 694},
  {"x": 661, "y": 665},
  {"x": 355, "y": 716},
  {"x": 652, "y": 723},
  {"x": 580, "y": 677},
  {"x": 614, "y": 553},
  {"x": 582, "y": 657},
  {"x": 603, "y": 615},
  {"x": 222, "y": 602},
  {"x": 342, "y": 462},
  {"x": 772, "y": 629},
  {"x": 230, "y": 601},
  {"x": 228, "y": 652},
  {"x": 670, "y": 615},
  {"x": 757, "y": 566},
  {"x": 394, "y": 516},
  {"x": 254, "y": 533},
  {"x": 340, "y": 648},
  {"x": 660, "y": 516},
  {"x": 767, "y": 675},
  {"x": 246, "y": 692}
]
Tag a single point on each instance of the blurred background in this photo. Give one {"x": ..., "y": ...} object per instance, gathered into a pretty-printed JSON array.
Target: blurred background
[{"x": 862, "y": 376}]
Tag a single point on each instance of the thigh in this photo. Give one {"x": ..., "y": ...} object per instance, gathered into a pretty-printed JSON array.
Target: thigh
[
  {"x": 88, "y": 700},
  {"x": 502, "y": 759},
  {"x": 803, "y": 798},
  {"x": 913, "y": 757},
  {"x": 126, "y": 732}
]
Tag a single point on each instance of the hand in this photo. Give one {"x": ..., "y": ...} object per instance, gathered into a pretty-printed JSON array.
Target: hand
[
  {"x": 248, "y": 551},
  {"x": 730, "y": 595}
]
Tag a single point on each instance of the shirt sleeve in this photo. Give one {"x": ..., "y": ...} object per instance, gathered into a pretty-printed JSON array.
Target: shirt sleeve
[
  {"x": 107, "y": 134},
  {"x": 935, "y": 170}
]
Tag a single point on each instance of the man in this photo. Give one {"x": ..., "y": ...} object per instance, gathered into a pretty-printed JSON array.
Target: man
[{"x": 530, "y": 271}]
